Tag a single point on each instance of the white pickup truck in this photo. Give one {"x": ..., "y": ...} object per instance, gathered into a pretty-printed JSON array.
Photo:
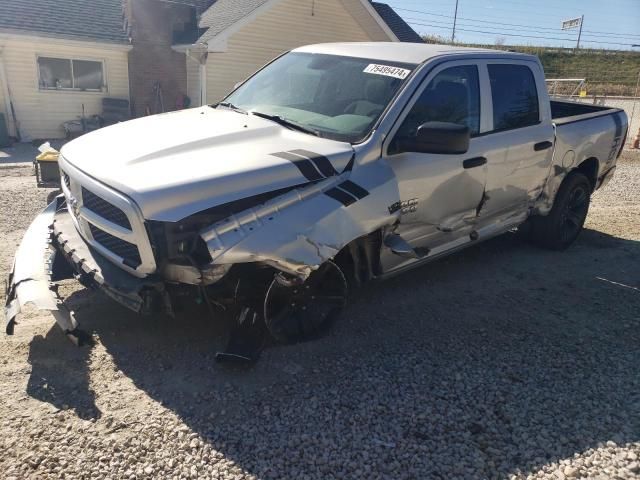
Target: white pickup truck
[{"x": 333, "y": 165}]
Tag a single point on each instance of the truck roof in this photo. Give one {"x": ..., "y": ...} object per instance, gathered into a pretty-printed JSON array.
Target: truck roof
[{"x": 402, "y": 52}]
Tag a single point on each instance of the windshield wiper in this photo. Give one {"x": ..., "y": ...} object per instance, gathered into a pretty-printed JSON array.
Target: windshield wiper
[
  {"x": 286, "y": 123},
  {"x": 231, "y": 106}
]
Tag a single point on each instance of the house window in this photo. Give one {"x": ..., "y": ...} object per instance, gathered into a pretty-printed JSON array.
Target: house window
[{"x": 70, "y": 74}]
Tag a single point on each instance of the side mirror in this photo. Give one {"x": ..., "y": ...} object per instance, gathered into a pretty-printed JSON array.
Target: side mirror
[{"x": 440, "y": 137}]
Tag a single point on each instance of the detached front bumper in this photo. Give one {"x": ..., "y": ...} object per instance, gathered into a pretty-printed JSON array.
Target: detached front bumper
[
  {"x": 30, "y": 278},
  {"x": 50, "y": 246}
]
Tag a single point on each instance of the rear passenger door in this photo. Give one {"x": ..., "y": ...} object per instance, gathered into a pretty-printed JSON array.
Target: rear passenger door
[{"x": 521, "y": 137}]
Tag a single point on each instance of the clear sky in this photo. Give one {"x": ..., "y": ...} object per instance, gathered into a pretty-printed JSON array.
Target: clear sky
[{"x": 607, "y": 23}]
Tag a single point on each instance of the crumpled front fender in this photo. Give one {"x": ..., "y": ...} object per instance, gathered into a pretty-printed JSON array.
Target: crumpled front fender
[
  {"x": 302, "y": 229},
  {"x": 30, "y": 278}
]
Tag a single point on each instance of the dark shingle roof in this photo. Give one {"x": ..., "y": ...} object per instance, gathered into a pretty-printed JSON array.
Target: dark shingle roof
[
  {"x": 96, "y": 20},
  {"x": 224, "y": 13},
  {"x": 397, "y": 25}
]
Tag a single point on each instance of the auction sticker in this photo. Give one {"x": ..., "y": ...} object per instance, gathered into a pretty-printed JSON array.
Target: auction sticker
[{"x": 387, "y": 70}]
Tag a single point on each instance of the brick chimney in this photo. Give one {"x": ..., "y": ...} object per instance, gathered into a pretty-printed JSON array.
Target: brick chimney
[{"x": 154, "y": 26}]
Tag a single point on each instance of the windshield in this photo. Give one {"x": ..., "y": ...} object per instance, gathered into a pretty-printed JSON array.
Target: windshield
[{"x": 335, "y": 97}]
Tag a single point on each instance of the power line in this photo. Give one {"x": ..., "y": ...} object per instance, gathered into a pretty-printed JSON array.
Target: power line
[
  {"x": 475, "y": 26},
  {"x": 500, "y": 33},
  {"x": 536, "y": 28},
  {"x": 466, "y": 23},
  {"x": 519, "y": 10},
  {"x": 512, "y": 24}
]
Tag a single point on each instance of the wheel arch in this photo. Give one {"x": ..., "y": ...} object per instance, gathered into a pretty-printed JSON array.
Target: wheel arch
[
  {"x": 590, "y": 168},
  {"x": 359, "y": 260}
]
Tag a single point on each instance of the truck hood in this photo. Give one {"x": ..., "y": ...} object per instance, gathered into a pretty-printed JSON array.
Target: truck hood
[{"x": 176, "y": 164}]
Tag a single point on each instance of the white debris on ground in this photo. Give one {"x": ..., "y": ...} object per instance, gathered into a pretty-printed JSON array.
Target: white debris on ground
[{"x": 502, "y": 361}]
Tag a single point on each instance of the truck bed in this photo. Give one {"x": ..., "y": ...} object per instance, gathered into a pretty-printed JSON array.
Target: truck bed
[{"x": 563, "y": 111}]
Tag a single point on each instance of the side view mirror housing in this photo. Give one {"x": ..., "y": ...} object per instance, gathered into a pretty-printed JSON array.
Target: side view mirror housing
[{"x": 440, "y": 137}]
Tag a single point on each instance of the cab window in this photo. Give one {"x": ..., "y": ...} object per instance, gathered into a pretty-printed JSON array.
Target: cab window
[
  {"x": 453, "y": 96},
  {"x": 515, "y": 98}
]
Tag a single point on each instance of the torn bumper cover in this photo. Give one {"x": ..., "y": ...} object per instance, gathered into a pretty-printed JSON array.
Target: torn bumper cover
[
  {"x": 53, "y": 233},
  {"x": 30, "y": 278}
]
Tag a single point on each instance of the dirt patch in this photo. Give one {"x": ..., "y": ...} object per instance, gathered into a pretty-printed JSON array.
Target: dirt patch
[{"x": 500, "y": 360}]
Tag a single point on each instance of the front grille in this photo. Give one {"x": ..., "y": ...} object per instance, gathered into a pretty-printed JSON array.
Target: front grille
[
  {"x": 103, "y": 208},
  {"x": 108, "y": 221},
  {"x": 127, "y": 251}
]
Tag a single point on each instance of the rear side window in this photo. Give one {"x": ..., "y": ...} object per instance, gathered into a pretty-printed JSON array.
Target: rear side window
[{"x": 515, "y": 98}]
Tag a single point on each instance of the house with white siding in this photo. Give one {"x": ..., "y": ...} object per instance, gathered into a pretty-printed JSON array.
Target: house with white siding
[
  {"x": 237, "y": 38},
  {"x": 60, "y": 58}
]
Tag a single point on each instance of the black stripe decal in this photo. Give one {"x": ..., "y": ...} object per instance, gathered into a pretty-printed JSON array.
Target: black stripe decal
[
  {"x": 341, "y": 196},
  {"x": 349, "y": 166},
  {"x": 304, "y": 165},
  {"x": 354, "y": 189},
  {"x": 322, "y": 163},
  {"x": 618, "y": 121}
]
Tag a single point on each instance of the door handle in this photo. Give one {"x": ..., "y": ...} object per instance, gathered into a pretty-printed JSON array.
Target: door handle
[
  {"x": 542, "y": 146},
  {"x": 474, "y": 162}
]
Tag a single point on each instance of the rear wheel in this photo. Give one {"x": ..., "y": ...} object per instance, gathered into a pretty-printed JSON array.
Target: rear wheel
[
  {"x": 294, "y": 313},
  {"x": 564, "y": 223}
]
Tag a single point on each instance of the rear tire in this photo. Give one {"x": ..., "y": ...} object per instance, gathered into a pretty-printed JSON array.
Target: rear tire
[{"x": 559, "y": 229}]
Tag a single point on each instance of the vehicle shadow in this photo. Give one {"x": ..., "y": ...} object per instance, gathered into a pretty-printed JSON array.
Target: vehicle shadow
[
  {"x": 497, "y": 360},
  {"x": 61, "y": 380}
]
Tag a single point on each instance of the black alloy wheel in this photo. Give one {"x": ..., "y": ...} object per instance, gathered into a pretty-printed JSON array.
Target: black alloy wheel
[
  {"x": 560, "y": 228},
  {"x": 575, "y": 213},
  {"x": 295, "y": 313}
]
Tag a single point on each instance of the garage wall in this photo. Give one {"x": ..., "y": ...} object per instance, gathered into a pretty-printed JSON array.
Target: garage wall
[
  {"x": 286, "y": 25},
  {"x": 41, "y": 112},
  {"x": 365, "y": 20}
]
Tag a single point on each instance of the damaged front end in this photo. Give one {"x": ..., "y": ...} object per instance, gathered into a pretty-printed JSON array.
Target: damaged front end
[
  {"x": 267, "y": 261},
  {"x": 53, "y": 250}
]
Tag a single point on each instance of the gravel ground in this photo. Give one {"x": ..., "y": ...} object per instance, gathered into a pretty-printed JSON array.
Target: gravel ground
[{"x": 502, "y": 361}]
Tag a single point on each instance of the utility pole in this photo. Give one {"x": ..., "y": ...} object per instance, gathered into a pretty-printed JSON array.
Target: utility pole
[
  {"x": 580, "y": 32},
  {"x": 455, "y": 17}
]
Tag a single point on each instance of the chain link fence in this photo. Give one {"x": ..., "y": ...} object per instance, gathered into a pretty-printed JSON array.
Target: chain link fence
[{"x": 611, "y": 89}]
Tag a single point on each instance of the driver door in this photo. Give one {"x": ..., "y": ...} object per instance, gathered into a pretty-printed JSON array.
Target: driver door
[{"x": 440, "y": 193}]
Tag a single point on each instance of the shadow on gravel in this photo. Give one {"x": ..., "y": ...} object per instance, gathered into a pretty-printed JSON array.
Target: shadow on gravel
[
  {"x": 60, "y": 375},
  {"x": 497, "y": 360}
]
